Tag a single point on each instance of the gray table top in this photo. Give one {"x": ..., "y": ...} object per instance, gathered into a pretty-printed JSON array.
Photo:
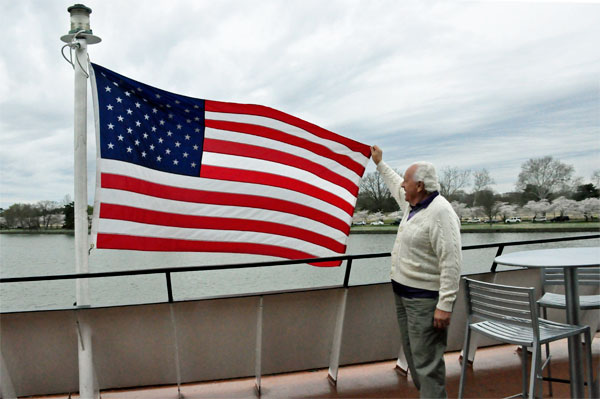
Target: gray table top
[{"x": 553, "y": 257}]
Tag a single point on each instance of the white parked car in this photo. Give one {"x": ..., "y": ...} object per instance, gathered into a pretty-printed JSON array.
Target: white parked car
[
  {"x": 361, "y": 223},
  {"x": 513, "y": 220},
  {"x": 377, "y": 223}
]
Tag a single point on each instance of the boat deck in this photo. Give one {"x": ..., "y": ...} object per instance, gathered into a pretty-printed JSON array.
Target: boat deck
[{"x": 496, "y": 373}]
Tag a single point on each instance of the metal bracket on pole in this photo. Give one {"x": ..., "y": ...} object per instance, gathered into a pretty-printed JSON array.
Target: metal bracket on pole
[
  {"x": 334, "y": 359},
  {"x": 80, "y": 335},
  {"x": 258, "y": 348},
  {"x": 176, "y": 343}
]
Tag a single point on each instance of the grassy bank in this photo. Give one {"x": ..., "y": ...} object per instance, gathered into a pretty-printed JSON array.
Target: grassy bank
[{"x": 565, "y": 227}]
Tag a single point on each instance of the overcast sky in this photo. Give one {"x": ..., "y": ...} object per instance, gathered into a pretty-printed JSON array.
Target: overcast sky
[{"x": 484, "y": 84}]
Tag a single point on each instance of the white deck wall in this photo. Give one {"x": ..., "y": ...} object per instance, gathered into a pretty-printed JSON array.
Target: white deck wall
[{"x": 134, "y": 345}]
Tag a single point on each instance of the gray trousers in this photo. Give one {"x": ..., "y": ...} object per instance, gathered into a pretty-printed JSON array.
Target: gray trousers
[{"x": 423, "y": 345}]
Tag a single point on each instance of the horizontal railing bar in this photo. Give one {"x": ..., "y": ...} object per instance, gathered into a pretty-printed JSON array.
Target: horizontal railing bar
[
  {"x": 181, "y": 269},
  {"x": 541, "y": 241}
]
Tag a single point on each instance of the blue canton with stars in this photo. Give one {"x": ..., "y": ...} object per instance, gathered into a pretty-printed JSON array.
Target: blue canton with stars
[{"x": 147, "y": 126}]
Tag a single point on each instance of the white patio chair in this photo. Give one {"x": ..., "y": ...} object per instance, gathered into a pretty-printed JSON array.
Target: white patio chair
[
  {"x": 509, "y": 314},
  {"x": 554, "y": 276}
]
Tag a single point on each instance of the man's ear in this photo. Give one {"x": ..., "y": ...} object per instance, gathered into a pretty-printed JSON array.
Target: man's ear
[{"x": 420, "y": 186}]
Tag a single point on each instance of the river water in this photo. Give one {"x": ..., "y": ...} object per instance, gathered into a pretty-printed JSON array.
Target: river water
[{"x": 49, "y": 254}]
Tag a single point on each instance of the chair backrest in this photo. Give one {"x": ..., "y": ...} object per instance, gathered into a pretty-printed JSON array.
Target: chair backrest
[
  {"x": 585, "y": 276},
  {"x": 504, "y": 303}
]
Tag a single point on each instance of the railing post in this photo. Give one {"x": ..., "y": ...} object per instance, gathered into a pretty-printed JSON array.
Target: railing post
[
  {"x": 169, "y": 287},
  {"x": 258, "y": 348},
  {"x": 336, "y": 347},
  {"x": 348, "y": 270},
  {"x": 176, "y": 349},
  {"x": 498, "y": 253}
]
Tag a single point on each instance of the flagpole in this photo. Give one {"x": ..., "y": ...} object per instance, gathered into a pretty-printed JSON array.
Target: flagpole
[{"x": 78, "y": 39}]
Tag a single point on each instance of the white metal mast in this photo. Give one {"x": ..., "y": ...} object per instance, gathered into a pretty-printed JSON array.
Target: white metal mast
[{"x": 78, "y": 39}]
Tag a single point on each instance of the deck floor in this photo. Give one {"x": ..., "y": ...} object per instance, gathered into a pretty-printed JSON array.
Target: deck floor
[{"x": 496, "y": 373}]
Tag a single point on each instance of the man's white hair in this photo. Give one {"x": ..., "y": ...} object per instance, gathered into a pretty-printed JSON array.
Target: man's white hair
[{"x": 426, "y": 173}]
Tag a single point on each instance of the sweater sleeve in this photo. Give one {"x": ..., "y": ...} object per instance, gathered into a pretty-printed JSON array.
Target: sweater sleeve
[
  {"x": 446, "y": 243},
  {"x": 393, "y": 181}
]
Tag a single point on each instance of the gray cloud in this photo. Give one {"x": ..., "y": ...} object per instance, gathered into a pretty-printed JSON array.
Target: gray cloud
[{"x": 468, "y": 84}]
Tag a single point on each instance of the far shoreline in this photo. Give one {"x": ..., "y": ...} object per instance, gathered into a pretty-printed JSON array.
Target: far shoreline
[
  {"x": 563, "y": 227},
  {"x": 569, "y": 227}
]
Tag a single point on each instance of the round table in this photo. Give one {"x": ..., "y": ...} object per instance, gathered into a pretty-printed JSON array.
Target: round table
[{"x": 569, "y": 259}]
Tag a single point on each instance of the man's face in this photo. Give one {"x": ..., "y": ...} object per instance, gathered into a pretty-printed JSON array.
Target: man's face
[{"x": 413, "y": 190}]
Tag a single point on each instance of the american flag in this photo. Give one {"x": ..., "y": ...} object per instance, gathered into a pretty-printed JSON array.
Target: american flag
[{"x": 177, "y": 173}]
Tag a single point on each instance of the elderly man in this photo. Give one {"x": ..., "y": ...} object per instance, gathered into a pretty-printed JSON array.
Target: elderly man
[{"x": 426, "y": 261}]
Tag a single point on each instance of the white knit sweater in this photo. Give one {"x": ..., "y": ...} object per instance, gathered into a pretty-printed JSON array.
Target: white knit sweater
[{"x": 427, "y": 252}]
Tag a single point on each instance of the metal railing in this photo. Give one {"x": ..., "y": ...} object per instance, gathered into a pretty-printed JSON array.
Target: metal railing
[{"x": 349, "y": 258}]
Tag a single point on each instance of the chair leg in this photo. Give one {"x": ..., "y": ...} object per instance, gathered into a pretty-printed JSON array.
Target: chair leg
[
  {"x": 463, "y": 367},
  {"x": 590, "y": 370},
  {"x": 549, "y": 366},
  {"x": 524, "y": 355},
  {"x": 539, "y": 375},
  {"x": 550, "y": 392},
  {"x": 534, "y": 370}
]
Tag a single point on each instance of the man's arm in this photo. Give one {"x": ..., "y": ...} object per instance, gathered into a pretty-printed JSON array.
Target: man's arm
[
  {"x": 392, "y": 180},
  {"x": 446, "y": 243}
]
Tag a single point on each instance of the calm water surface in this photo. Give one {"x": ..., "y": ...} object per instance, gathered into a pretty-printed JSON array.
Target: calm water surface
[{"x": 32, "y": 255}]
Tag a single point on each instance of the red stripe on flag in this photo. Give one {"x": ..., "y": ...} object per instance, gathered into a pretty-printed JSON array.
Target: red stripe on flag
[
  {"x": 266, "y": 154},
  {"x": 264, "y": 178},
  {"x": 138, "y": 243},
  {"x": 126, "y": 183},
  {"x": 260, "y": 110},
  {"x": 277, "y": 135},
  {"x": 132, "y": 214}
]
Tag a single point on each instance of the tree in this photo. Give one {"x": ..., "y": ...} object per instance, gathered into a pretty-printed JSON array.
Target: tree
[
  {"x": 476, "y": 211},
  {"x": 487, "y": 200},
  {"x": 538, "y": 207},
  {"x": 596, "y": 177},
  {"x": 584, "y": 191},
  {"x": 452, "y": 180},
  {"x": 23, "y": 216},
  {"x": 544, "y": 176},
  {"x": 69, "y": 211},
  {"x": 588, "y": 207},
  {"x": 374, "y": 194},
  {"x": 47, "y": 211},
  {"x": 506, "y": 210},
  {"x": 460, "y": 209},
  {"x": 482, "y": 180},
  {"x": 564, "y": 205},
  {"x": 360, "y": 216}
]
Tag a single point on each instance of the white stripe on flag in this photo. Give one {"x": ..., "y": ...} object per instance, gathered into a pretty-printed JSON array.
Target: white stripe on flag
[
  {"x": 120, "y": 227},
  {"x": 234, "y": 161},
  {"x": 198, "y": 183},
  {"x": 287, "y": 128},
  {"x": 119, "y": 197},
  {"x": 237, "y": 137}
]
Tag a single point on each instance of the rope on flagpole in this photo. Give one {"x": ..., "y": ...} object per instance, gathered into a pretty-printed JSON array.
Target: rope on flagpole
[{"x": 74, "y": 45}]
